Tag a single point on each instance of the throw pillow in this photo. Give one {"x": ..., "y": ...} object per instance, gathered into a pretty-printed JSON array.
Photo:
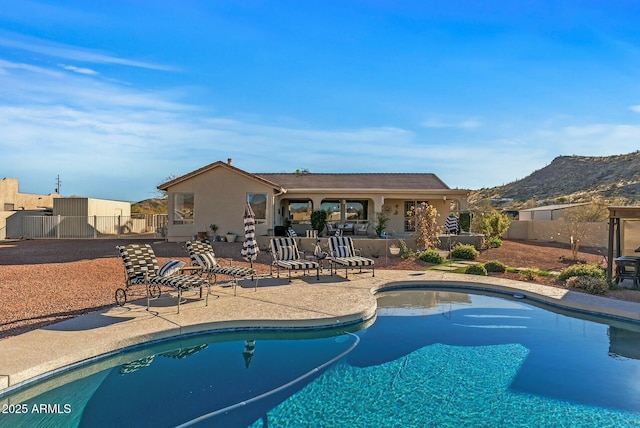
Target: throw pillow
[
  {"x": 170, "y": 267},
  {"x": 206, "y": 260},
  {"x": 286, "y": 253}
]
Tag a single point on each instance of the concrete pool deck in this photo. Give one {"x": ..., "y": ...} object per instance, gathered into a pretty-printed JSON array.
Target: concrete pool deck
[{"x": 304, "y": 303}]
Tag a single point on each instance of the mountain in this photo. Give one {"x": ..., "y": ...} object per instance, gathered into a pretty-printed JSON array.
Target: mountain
[
  {"x": 569, "y": 179},
  {"x": 150, "y": 206}
]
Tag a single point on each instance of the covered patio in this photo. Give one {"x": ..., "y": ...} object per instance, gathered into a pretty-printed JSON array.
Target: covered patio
[{"x": 624, "y": 241}]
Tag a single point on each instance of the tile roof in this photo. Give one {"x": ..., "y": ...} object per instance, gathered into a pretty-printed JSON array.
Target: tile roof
[{"x": 354, "y": 181}]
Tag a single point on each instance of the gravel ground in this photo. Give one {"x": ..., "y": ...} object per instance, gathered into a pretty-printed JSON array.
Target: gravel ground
[{"x": 46, "y": 281}]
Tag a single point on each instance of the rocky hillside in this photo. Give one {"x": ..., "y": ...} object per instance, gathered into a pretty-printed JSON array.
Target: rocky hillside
[
  {"x": 615, "y": 179},
  {"x": 150, "y": 206}
]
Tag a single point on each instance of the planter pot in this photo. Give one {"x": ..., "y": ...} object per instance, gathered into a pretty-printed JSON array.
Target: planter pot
[
  {"x": 230, "y": 237},
  {"x": 394, "y": 251},
  {"x": 201, "y": 235}
]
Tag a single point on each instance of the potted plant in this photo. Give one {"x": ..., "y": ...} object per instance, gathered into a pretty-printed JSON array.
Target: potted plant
[
  {"x": 231, "y": 237},
  {"x": 214, "y": 229},
  {"x": 382, "y": 223},
  {"x": 319, "y": 220}
]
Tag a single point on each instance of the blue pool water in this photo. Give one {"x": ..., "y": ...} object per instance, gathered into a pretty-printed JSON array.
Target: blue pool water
[{"x": 431, "y": 358}]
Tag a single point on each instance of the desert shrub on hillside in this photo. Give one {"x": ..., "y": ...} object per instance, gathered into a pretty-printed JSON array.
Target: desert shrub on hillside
[
  {"x": 589, "y": 284},
  {"x": 587, "y": 269},
  {"x": 465, "y": 252}
]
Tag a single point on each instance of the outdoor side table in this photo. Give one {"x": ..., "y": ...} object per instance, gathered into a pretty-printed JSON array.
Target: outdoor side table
[
  {"x": 628, "y": 267},
  {"x": 320, "y": 261}
]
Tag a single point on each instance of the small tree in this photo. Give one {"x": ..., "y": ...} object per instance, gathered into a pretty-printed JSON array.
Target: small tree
[
  {"x": 577, "y": 221},
  {"x": 492, "y": 224},
  {"x": 162, "y": 194},
  {"x": 425, "y": 220}
]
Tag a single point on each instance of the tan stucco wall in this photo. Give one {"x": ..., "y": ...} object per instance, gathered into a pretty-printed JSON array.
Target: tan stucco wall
[
  {"x": 10, "y": 194},
  {"x": 220, "y": 196},
  {"x": 556, "y": 231}
]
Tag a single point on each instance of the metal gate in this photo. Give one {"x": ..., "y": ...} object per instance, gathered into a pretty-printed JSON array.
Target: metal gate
[{"x": 95, "y": 227}]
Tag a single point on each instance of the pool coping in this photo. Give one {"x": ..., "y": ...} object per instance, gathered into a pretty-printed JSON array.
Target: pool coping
[{"x": 305, "y": 303}]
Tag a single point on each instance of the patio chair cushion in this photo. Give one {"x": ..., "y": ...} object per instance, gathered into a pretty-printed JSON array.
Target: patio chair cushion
[
  {"x": 343, "y": 251},
  {"x": 287, "y": 253},
  {"x": 206, "y": 260},
  {"x": 170, "y": 267},
  {"x": 202, "y": 254}
]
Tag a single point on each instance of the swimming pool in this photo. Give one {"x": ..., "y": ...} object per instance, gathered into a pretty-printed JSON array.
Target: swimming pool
[{"x": 439, "y": 358}]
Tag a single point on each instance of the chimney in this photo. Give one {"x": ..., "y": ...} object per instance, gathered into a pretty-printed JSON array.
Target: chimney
[{"x": 229, "y": 160}]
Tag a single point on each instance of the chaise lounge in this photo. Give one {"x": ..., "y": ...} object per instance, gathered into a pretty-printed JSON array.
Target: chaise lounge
[
  {"x": 141, "y": 268},
  {"x": 344, "y": 254},
  {"x": 201, "y": 254},
  {"x": 285, "y": 254}
]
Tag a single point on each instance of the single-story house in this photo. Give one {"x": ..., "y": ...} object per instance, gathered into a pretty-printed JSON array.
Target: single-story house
[{"x": 217, "y": 194}]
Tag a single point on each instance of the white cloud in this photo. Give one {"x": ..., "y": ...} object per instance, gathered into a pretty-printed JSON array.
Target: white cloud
[
  {"x": 470, "y": 123},
  {"x": 635, "y": 108},
  {"x": 63, "y": 51},
  {"x": 79, "y": 70}
]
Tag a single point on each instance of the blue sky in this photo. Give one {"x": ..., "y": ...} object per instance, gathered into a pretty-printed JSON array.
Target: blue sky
[{"x": 116, "y": 96}]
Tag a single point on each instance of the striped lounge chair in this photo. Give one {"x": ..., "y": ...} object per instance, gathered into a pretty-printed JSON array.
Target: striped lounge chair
[
  {"x": 285, "y": 254},
  {"x": 141, "y": 268},
  {"x": 201, "y": 254},
  {"x": 343, "y": 254}
]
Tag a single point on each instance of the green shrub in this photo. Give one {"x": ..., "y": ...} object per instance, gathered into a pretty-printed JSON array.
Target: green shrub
[
  {"x": 495, "y": 266},
  {"x": 465, "y": 221},
  {"x": 405, "y": 251},
  {"x": 494, "y": 242},
  {"x": 589, "y": 284},
  {"x": 431, "y": 256},
  {"x": 582, "y": 269},
  {"x": 465, "y": 252},
  {"x": 530, "y": 274},
  {"x": 476, "y": 270}
]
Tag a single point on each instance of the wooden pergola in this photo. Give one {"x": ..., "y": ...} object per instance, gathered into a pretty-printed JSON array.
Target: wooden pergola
[{"x": 616, "y": 215}]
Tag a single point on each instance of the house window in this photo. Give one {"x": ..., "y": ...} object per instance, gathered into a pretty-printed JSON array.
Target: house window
[
  {"x": 300, "y": 211},
  {"x": 409, "y": 225},
  {"x": 356, "y": 210},
  {"x": 258, "y": 203},
  {"x": 183, "y": 208}
]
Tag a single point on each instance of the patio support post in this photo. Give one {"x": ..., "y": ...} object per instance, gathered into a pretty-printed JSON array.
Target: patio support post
[{"x": 610, "y": 250}]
